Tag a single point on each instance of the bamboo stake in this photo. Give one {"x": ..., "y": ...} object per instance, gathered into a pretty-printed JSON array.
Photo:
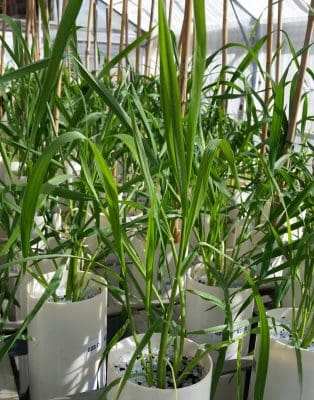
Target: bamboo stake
[
  {"x": 186, "y": 46},
  {"x": 32, "y": 19},
  {"x": 184, "y": 69},
  {"x": 88, "y": 34},
  {"x": 109, "y": 29},
  {"x": 33, "y": 29},
  {"x": 122, "y": 26},
  {"x": 224, "y": 51},
  {"x": 64, "y": 5},
  {"x": 68, "y": 61},
  {"x": 28, "y": 20},
  {"x": 4, "y": 29},
  {"x": 122, "y": 34},
  {"x": 2, "y": 67},
  {"x": 126, "y": 25},
  {"x": 157, "y": 62},
  {"x": 138, "y": 33},
  {"x": 268, "y": 67},
  {"x": 36, "y": 34},
  {"x": 58, "y": 11},
  {"x": 184, "y": 22},
  {"x": 300, "y": 80},
  {"x": 149, "y": 43},
  {"x": 169, "y": 23},
  {"x": 95, "y": 32},
  {"x": 56, "y": 111},
  {"x": 47, "y": 12},
  {"x": 170, "y": 13},
  {"x": 279, "y": 39},
  {"x": 39, "y": 31}
]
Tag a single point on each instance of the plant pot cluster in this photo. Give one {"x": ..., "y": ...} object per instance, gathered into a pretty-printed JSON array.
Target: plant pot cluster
[{"x": 114, "y": 202}]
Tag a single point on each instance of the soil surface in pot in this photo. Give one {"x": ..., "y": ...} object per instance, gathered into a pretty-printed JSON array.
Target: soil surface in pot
[
  {"x": 198, "y": 273},
  {"x": 281, "y": 331},
  {"x": 89, "y": 294},
  {"x": 138, "y": 372}
]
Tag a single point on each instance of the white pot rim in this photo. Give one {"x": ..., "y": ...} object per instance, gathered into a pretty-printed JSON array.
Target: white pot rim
[
  {"x": 231, "y": 290},
  {"x": 49, "y": 275},
  {"x": 168, "y": 390},
  {"x": 284, "y": 310}
]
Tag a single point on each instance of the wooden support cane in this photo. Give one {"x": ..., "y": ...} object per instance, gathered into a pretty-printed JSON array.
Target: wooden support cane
[
  {"x": 269, "y": 49},
  {"x": 300, "y": 81}
]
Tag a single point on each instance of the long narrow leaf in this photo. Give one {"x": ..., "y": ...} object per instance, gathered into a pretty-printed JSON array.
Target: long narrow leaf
[
  {"x": 51, "y": 75},
  {"x": 199, "y": 65}
]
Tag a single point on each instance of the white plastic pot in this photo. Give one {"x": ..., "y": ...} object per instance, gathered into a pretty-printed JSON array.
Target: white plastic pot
[
  {"x": 233, "y": 235},
  {"x": 205, "y": 220},
  {"x": 168, "y": 267},
  {"x": 201, "y": 314},
  {"x": 69, "y": 340},
  {"x": 92, "y": 241},
  {"x": 132, "y": 391},
  {"x": 238, "y": 198},
  {"x": 73, "y": 168},
  {"x": 46, "y": 266},
  {"x": 250, "y": 247},
  {"x": 287, "y": 300},
  {"x": 16, "y": 179},
  {"x": 282, "y": 382},
  {"x": 5, "y": 177}
]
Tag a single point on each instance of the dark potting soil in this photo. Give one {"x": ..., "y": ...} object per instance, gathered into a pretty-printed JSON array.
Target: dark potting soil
[{"x": 138, "y": 372}]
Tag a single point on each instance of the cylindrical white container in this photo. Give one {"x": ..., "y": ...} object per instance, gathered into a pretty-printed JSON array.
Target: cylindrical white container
[
  {"x": 202, "y": 314},
  {"x": 92, "y": 241},
  {"x": 202, "y": 231},
  {"x": 282, "y": 382},
  {"x": 45, "y": 265},
  {"x": 4, "y": 176},
  {"x": 132, "y": 391},
  {"x": 239, "y": 197},
  {"x": 287, "y": 300},
  {"x": 73, "y": 168},
  {"x": 69, "y": 340},
  {"x": 250, "y": 247},
  {"x": 253, "y": 234},
  {"x": 168, "y": 268}
]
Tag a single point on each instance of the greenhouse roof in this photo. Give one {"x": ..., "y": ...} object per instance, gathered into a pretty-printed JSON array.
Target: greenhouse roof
[{"x": 239, "y": 10}]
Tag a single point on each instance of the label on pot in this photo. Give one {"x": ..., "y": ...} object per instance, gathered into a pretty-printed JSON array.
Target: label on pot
[
  {"x": 217, "y": 336},
  {"x": 93, "y": 347}
]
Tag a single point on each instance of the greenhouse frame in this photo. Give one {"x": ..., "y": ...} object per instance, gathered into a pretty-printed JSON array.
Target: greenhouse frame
[{"x": 156, "y": 199}]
